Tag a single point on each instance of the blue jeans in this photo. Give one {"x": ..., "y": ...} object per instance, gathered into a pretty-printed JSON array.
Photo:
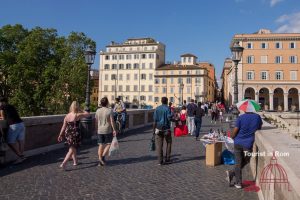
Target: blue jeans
[
  {"x": 198, "y": 123},
  {"x": 16, "y": 132},
  {"x": 123, "y": 119}
]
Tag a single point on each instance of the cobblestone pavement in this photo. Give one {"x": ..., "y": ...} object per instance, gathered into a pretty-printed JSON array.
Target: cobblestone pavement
[{"x": 132, "y": 174}]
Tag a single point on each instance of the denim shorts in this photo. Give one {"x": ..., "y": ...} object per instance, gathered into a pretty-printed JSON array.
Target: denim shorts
[
  {"x": 104, "y": 138},
  {"x": 16, "y": 132}
]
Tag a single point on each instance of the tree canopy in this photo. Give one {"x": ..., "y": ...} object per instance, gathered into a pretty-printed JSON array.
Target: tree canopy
[{"x": 41, "y": 71}]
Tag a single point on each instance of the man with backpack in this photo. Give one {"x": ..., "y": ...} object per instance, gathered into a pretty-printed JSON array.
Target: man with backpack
[{"x": 191, "y": 108}]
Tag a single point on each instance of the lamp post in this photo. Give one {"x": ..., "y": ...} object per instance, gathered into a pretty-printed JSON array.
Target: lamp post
[
  {"x": 181, "y": 88},
  {"x": 237, "y": 52},
  {"x": 86, "y": 123}
]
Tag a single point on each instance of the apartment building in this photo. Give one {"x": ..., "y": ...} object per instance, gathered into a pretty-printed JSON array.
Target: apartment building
[
  {"x": 95, "y": 87},
  {"x": 226, "y": 82},
  {"x": 127, "y": 70},
  {"x": 185, "y": 80},
  {"x": 269, "y": 71}
]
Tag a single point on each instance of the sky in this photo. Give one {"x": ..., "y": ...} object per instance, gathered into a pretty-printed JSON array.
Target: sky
[{"x": 201, "y": 27}]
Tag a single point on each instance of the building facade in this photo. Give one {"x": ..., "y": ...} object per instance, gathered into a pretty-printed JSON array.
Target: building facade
[
  {"x": 185, "y": 80},
  {"x": 269, "y": 71},
  {"x": 127, "y": 70},
  {"x": 95, "y": 87},
  {"x": 226, "y": 82}
]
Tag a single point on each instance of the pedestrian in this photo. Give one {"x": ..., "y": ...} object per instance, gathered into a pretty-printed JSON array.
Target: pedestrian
[
  {"x": 243, "y": 134},
  {"x": 221, "y": 115},
  {"x": 161, "y": 128},
  {"x": 214, "y": 113},
  {"x": 119, "y": 108},
  {"x": 191, "y": 107},
  {"x": 183, "y": 115},
  {"x": 184, "y": 103},
  {"x": 199, "y": 113},
  {"x": 16, "y": 128},
  {"x": 105, "y": 129},
  {"x": 71, "y": 132},
  {"x": 206, "y": 108}
]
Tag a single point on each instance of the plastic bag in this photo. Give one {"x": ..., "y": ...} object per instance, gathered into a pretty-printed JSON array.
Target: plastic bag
[
  {"x": 114, "y": 147},
  {"x": 228, "y": 157}
]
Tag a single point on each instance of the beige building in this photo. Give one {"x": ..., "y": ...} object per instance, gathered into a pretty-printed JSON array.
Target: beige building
[
  {"x": 269, "y": 71},
  {"x": 95, "y": 87},
  {"x": 195, "y": 77},
  {"x": 226, "y": 82},
  {"x": 127, "y": 70}
]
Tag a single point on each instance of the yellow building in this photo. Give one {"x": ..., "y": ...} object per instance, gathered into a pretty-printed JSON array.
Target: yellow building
[
  {"x": 185, "y": 80},
  {"x": 95, "y": 89},
  {"x": 226, "y": 96},
  {"x": 127, "y": 70},
  {"x": 269, "y": 71}
]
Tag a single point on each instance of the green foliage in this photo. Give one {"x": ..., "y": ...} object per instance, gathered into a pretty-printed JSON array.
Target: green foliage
[{"x": 40, "y": 70}]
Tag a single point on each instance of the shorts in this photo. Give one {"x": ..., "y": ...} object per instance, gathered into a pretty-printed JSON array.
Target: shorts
[
  {"x": 16, "y": 132},
  {"x": 104, "y": 138}
]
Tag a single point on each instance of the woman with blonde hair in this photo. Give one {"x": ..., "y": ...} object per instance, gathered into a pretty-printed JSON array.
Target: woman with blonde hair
[{"x": 70, "y": 131}]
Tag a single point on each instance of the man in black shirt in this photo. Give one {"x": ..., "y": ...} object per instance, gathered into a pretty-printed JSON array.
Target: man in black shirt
[{"x": 16, "y": 130}]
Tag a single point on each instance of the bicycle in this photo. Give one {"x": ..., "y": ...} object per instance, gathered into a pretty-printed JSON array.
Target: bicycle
[{"x": 119, "y": 119}]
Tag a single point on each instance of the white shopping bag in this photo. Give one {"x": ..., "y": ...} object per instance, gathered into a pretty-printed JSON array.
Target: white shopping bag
[
  {"x": 114, "y": 147},
  {"x": 229, "y": 143}
]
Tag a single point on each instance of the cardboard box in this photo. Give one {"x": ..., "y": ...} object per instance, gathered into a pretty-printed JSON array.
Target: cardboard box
[{"x": 213, "y": 154}]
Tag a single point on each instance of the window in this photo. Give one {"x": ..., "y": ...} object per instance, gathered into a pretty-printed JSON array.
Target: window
[
  {"x": 279, "y": 75},
  {"x": 143, "y": 65},
  {"x": 171, "y": 90},
  {"x": 197, "y": 80},
  {"x": 121, "y": 66},
  {"x": 143, "y": 98},
  {"x": 172, "y": 72},
  {"x": 120, "y": 88},
  {"x": 263, "y": 75},
  {"x": 250, "y": 75},
  {"x": 156, "y": 99},
  {"x": 293, "y": 59},
  {"x": 135, "y": 88},
  {"x": 113, "y": 88},
  {"x": 278, "y": 45},
  {"x": 151, "y": 55},
  {"x": 157, "y": 81},
  {"x": 188, "y": 72},
  {"x": 143, "y": 76},
  {"x": 250, "y": 59},
  {"x": 127, "y": 88},
  {"x": 135, "y": 76},
  {"x": 105, "y": 88},
  {"x": 188, "y": 80},
  {"x": 164, "y": 72},
  {"x": 135, "y": 65},
  {"x": 107, "y": 57},
  {"x": 128, "y": 66},
  {"x": 106, "y": 77},
  {"x": 143, "y": 56},
  {"x": 127, "y": 77},
  {"x": 150, "y": 76},
  {"x": 171, "y": 99},
  {"x": 264, "y": 45},
  {"x": 136, "y": 56},
  {"x": 128, "y": 57},
  {"x": 278, "y": 59},
  {"x": 127, "y": 98},
  {"x": 179, "y": 80},
  {"x": 114, "y": 66},
  {"x": 106, "y": 66},
  {"x": 150, "y": 88},
  {"x": 142, "y": 88},
  {"x": 113, "y": 77},
  {"x": 172, "y": 80},
  {"x": 114, "y": 57},
  {"x": 180, "y": 72},
  {"x": 293, "y": 75},
  {"x": 188, "y": 89},
  {"x": 150, "y": 65},
  {"x": 121, "y": 77},
  {"x": 190, "y": 59},
  {"x": 164, "y": 90},
  {"x": 112, "y": 97},
  {"x": 163, "y": 80},
  {"x": 292, "y": 45},
  {"x": 184, "y": 59},
  {"x": 264, "y": 59},
  {"x": 249, "y": 45},
  {"x": 121, "y": 57},
  {"x": 150, "y": 98},
  {"x": 156, "y": 90},
  {"x": 198, "y": 72}
]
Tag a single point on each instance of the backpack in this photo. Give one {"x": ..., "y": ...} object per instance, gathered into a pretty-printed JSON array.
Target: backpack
[{"x": 182, "y": 117}]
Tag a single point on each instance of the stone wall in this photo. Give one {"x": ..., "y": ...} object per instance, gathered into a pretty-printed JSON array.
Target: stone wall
[
  {"x": 42, "y": 131},
  {"x": 271, "y": 140}
]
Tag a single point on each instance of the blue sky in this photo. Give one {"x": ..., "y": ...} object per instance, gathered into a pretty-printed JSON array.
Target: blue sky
[{"x": 202, "y": 27}]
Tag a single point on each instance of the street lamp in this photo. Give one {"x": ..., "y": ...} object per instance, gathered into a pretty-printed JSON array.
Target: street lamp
[
  {"x": 181, "y": 88},
  {"x": 86, "y": 123},
  {"x": 237, "y": 52}
]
